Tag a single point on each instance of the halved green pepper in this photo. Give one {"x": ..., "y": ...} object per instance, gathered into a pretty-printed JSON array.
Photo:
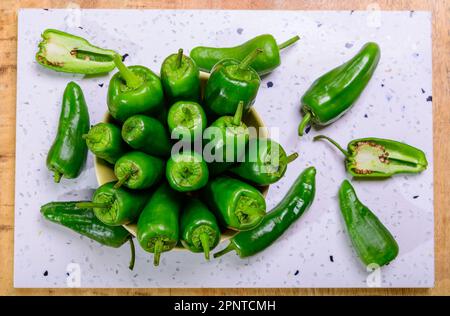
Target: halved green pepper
[
  {"x": 232, "y": 81},
  {"x": 207, "y": 57},
  {"x": 334, "y": 93},
  {"x": 104, "y": 141},
  {"x": 198, "y": 227},
  {"x": 68, "y": 153},
  {"x": 380, "y": 158},
  {"x": 236, "y": 204},
  {"x": 134, "y": 90},
  {"x": 372, "y": 241},
  {"x": 65, "y": 52}
]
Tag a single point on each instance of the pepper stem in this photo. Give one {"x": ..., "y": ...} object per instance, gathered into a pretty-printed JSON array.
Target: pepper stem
[
  {"x": 238, "y": 114},
  {"x": 85, "y": 136},
  {"x": 92, "y": 205},
  {"x": 133, "y": 254},
  {"x": 346, "y": 154},
  {"x": 204, "y": 238},
  {"x": 250, "y": 58},
  {"x": 157, "y": 252},
  {"x": 291, "y": 157},
  {"x": 304, "y": 123},
  {"x": 179, "y": 57},
  {"x": 122, "y": 181},
  {"x": 57, "y": 176},
  {"x": 227, "y": 249},
  {"x": 289, "y": 42},
  {"x": 131, "y": 79}
]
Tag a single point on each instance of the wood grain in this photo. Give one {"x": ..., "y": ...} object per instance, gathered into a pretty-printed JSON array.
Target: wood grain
[{"x": 441, "y": 111}]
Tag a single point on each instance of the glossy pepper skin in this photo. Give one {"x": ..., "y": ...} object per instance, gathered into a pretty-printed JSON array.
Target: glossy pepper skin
[
  {"x": 104, "y": 141},
  {"x": 116, "y": 206},
  {"x": 157, "y": 227},
  {"x": 146, "y": 134},
  {"x": 137, "y": 170},
  {"x": 207, "y": 57},
  {"x": 223, "y": 132},
  {"x": 187, "y": 171},
  {"x": 134, "y": 90},
  {"x": 68, "y": 153},
  {"x": 186, "y": 120},
  {"x": 198, "y": 228},
  {"x": 230, "y": 82},
  {"x": 334, "y": 93},
  {"x": 380, "y": 158},
  {"x": 84, "y": 222},
  {"x": 180, "y": 78},
  {"x": 236, "y": 204},
  {"x": 61, "y": 51},
  {"x": 265, "y": 162},
  {"x": 372, "y": 241},
  {"x": 296, "y": 201}
]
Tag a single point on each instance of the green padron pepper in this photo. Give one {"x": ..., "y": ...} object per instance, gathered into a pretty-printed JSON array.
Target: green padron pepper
[
  {"x": 68, "y": 153},
  {"x": 65, "y": 52},
  {"x": 372, "y": 241},
  {"x": 380, "y": 158},
  {"x": 187, "y": 171},
  {"x": 334, "y": 93},
  {"x": 104, "y": 141}
]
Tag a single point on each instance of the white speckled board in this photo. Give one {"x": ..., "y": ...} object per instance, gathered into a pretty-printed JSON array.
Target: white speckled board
[{"x": 316, "y": 251}]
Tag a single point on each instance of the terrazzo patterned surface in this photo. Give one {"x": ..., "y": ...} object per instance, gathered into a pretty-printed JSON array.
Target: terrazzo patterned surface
[{"x": 316, "y": 251}]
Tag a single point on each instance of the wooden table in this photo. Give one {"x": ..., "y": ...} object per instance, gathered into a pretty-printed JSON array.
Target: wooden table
[{"x": 441, "y": 111}]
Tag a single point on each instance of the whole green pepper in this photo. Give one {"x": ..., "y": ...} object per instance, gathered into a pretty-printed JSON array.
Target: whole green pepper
[
  {"x": 236, "y": 204},
  {"x": 61, "y": 51},
  {"x": 187, "y": 171},
  {"x": 207, "y": 57},
  {"x": 232, "y": 81},
  {"x": 198, "y": 227},
  {"x": 333, "y": 94},
  {"x": 134, "y": 90},
  {"x": 296, "y": 201},
  {"x": 373, "y": 242},
  {"x": 380, "y": 158},
  {"x": 146, "y": 134},
  {"x": 84, "y": 222},
  {"x": 227, "y": 136},
  {"x": 68, "y": 153},
  {"x": 137, "y": 170},
  {"x": 180, "y": 78},
  {"x": 186, "y": 120},
  {"x": 104, "y": 141},
  {"x": 265, "y": 162},
  {"x": 157, "y": 227},
  {"x": 116, "y": 206}
]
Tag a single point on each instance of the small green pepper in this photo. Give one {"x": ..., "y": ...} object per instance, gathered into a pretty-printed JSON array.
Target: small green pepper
[
  {"x": 61, "y": 51},
  {"x": 104, "y": 141},
  {"x": 134, "y": 90},
  {"x": 157, "y": 227},
  {"x": 265, "y": 162},
  {"x": 373, "y": 242},
  {"x": 186, "y": 120},
  {"x": 180, "y": 78},
  {"x": 236, "y": 204},
  {"x": 198, "y": 228},
  {"x": 380, "y": 158},
  {"x": 146, "y": 134},
  {"x": 230, "y": 82},
  {"x": 227, "y": 136},
  {"x": 207, "y": 57},
  {"x": 84, "y": 222},
  {"x": 116, "y": 206},
  {"x": 137, "y": 170},
  {"x": 186, "y": 171},
  {"x": 68, "y": 154},
  {"x": 296, "y": 201},
  {"x": 334, "y": 93}
]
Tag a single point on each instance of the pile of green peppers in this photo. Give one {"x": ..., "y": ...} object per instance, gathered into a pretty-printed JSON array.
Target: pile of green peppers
[{"x": 183, "y": 198}]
